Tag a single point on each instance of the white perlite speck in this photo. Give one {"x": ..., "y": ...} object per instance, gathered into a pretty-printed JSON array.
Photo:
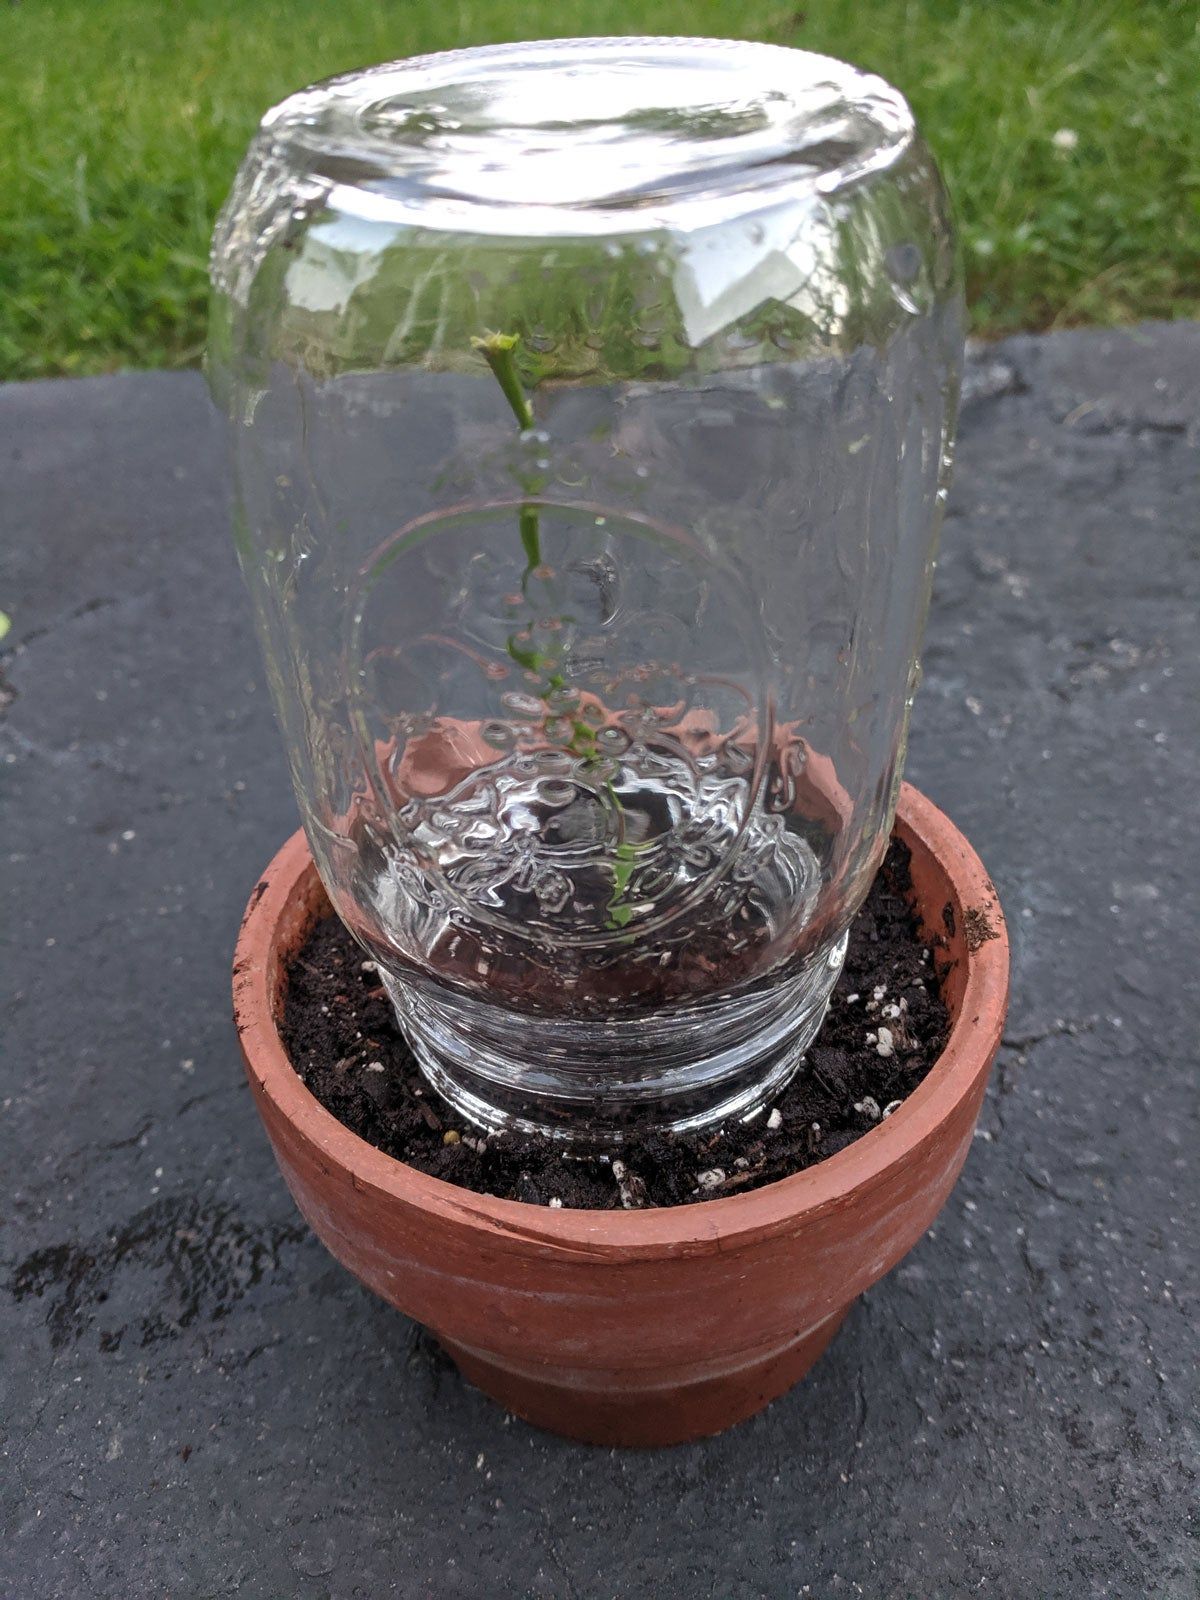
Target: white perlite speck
[
  {"x": 892, "y": 1105},
  {"x": 775, "y": 1120},
  {"x": 869, "y": 1106},
  {"x": 555, "y": 1203},
  {"x": 885, "y": 1044},
  {"x": 712, "y": 1179}
]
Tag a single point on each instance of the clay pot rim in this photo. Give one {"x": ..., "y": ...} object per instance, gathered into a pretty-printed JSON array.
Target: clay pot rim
[{"x": 703, "y": 1228}]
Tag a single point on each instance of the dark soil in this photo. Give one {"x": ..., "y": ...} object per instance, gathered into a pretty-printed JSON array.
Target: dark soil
[{"x": 339, "y": 1029}]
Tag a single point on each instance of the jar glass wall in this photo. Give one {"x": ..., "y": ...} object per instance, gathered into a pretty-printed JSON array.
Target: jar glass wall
[{"x": 590, "y": 406}]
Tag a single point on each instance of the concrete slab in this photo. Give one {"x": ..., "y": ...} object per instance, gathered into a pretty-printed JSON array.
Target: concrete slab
[{"x": 198, "y": 1402}]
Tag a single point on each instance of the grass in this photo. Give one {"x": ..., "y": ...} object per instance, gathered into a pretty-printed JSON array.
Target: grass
[{"x": 122, "y": 122}]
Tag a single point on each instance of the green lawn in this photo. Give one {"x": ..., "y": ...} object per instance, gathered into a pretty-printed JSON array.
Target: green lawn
[{"x": 122, "y": 121}]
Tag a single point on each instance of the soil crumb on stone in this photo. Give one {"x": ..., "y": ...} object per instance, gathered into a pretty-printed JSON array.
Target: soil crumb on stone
[{"x": 885, "y": 1028}]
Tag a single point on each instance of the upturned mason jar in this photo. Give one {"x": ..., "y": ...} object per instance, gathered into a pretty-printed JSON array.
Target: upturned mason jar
[{"x": 590, "y": 406}]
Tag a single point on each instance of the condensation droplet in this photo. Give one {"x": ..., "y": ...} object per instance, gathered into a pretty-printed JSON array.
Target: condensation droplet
[
  {"x": 521, "y": 705},
  {"x": 556, "y": 793},
  {"x": 564, "y": 699},
  {"x": 555, "y": 763},
  {"x": 613, "y": 741}
]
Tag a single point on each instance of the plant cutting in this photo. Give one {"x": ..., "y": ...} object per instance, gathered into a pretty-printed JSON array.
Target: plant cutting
[
  {"x": 543, "y": 667},
  {"x": 597, "y": 722}
]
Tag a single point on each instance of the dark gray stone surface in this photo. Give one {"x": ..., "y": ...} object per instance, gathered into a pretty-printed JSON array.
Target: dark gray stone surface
[{"x": 198, "y": 1402}]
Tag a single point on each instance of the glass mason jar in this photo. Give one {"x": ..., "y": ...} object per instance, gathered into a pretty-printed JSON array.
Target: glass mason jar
[{"x": 590, "y": 405}]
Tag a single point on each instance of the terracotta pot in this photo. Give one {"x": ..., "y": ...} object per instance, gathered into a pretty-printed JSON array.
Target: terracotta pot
[{"x": 637, "y": 1327}]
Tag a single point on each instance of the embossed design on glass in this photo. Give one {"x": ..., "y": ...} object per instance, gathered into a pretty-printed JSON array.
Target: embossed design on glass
[{"x": 590, "y": 405}]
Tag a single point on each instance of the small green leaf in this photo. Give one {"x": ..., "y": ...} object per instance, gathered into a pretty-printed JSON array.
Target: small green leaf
[
  {"x": 626, "y": 854},
  {"x": 529, "y": 659}
]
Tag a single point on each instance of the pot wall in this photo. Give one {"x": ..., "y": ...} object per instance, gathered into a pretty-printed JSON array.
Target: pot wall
[{"x": 648, "y": 1326}]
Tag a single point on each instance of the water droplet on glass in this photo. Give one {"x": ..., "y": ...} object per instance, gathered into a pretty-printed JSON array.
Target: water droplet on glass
[
  {"x": 555, "y": 763},
  {"x": 564, "y": 699},
  {"x": 613, "y": 741},
  {"x": 521, "y": 705},
  {"x": 556, "y": 793}
]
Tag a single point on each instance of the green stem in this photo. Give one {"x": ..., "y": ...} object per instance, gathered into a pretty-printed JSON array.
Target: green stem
[
  {"x": 531, "y": 541},
  {"x": 499, "y": 351},
  {"x": 619, "y": 913}
]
